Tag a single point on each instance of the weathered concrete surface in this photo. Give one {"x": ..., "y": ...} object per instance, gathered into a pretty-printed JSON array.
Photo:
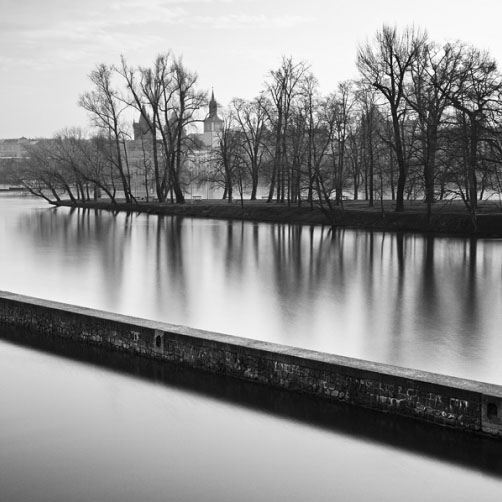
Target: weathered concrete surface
[{"x": 441, "y": 399}]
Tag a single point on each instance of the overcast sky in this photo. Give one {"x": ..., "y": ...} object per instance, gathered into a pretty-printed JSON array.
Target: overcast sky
[{"x": 48, "y": 47}]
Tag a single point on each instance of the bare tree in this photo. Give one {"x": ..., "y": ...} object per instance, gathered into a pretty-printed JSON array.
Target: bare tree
[
  {"x": 250, "y": 121},
  {"x": 341, "y": 104},
  {"x": 370, "y": 133},
  {"x": 187, "y": 101},
  {"x": 105, "y": 107},
  {"x": 145, "y": 88},
  {"x": 228, "y": 159},
  {"x": 432, "y": 77},
  {"x": 386, "y": 66},
  {"x": 169, "y": 91},
  {"x": 282, "y": 89},
  {"x": 474, "y": 91},
  {"x": 95, "y": 166},
  {"x": 49, "y": 172}
]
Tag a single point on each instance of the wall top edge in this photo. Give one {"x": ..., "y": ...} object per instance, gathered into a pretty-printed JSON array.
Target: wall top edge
[{"x": 283, "y": 350}]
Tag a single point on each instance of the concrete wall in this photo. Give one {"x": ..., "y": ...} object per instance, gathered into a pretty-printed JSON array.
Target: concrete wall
[{"x": 444, "y": 400}]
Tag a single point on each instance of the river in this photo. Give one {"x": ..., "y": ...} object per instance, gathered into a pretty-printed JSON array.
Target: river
[{"x": 76, "y": 427}]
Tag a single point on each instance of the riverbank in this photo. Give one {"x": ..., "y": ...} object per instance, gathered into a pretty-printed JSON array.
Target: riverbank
[{"x": 447, "y": 218}]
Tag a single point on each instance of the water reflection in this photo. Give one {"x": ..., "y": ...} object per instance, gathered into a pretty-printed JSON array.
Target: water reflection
[
  {"x": 71, "y": 431},
  {"x": 419, "y": 301},
  {"x": 469, "y": 450}
]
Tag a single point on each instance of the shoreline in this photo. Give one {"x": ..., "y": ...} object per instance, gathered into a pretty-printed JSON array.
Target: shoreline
[{"x": 446, "y": 219}]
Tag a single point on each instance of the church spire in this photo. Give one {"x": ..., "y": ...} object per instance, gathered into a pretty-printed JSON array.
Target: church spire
[{"x": 213, "y": 107}]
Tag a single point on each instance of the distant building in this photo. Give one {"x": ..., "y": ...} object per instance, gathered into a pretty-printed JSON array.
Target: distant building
[
  {"x": 213, "y": 125},
  {"x": 15, "y": 148},
  {"x": 141, "y": 129},
  {"x": 139, "y": 149},
  {"x": 197, "y": 163}
]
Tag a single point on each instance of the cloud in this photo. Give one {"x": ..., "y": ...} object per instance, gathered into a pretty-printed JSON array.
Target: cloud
[
  {"x": 76, "y": 34},
  {"x": 255, "y": 21},
  {"x": 70, "y": 33},
  {"x": 135, "y": 12}
]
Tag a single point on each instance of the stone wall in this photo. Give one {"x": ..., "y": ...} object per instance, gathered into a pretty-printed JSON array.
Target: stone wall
[{"x": 444, "y": 400}]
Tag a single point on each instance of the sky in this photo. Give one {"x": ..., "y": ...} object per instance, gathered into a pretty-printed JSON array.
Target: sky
[{"x": 49, "y": 47}]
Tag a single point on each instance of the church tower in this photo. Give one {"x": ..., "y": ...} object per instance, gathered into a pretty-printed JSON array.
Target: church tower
[
  {"x": 212, "y": 123},
  {"x": 141, "y": 128}
]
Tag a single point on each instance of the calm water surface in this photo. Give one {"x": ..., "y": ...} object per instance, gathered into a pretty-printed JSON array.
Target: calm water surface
[
  {"x": 415, "y": 301},
  {"x": 71, "y": 431},
  {"x": 78, "y": 427}
]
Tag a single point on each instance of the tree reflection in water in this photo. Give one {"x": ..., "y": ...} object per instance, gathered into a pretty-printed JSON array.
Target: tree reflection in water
[{"x": 411, "y": 300}]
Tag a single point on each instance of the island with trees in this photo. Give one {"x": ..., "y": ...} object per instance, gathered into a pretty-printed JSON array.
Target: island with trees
[{"x": 413, "y": 143}]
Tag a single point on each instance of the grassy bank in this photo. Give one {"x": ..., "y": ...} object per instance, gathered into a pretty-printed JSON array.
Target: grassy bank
[{"x": 447, "y": 218}]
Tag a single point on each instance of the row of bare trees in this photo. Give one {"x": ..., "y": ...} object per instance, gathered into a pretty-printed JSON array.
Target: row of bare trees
[
  {"x": 422, "y": 121},
  {"x": 166, "y": 97},
  {"x": 444, "y": 104}
]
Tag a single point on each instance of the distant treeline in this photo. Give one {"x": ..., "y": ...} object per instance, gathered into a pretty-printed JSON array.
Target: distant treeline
[{"x": 421, "y": 121}]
